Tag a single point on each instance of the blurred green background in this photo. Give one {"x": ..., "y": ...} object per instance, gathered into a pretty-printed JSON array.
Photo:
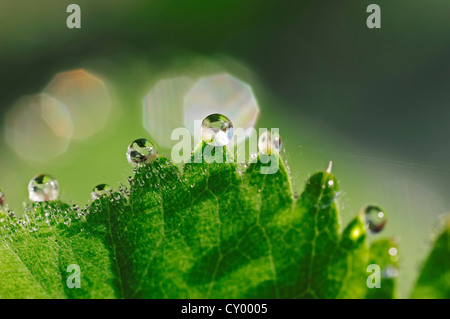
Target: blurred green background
[{"x": 376, "y": 102}]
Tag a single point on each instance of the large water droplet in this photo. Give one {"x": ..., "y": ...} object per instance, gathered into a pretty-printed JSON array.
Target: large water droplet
[
  {"x": 269, "y": 142},
  {"x": 217, "y": 130},
  {"x": 375, "y": 219},
  {"x": 141, "y": 151},
  {"x": 43, "y": 188},
  {"x": 100, "y": 190}
]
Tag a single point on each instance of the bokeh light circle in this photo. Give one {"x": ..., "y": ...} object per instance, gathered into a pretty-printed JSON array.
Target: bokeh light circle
[{"x": 38, "y": 127}]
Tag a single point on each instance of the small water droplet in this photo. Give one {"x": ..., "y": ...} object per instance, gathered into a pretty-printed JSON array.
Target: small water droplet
[
  {"x": 375, "y": 219},
  {"x": 43, "y": 188},
  {"x": 100, "y": 190},
  {"x": 141, "y": 151},
  {"x": 67, "y": 221},
  {"x": 269, "y": 142},
  {"x": 389, "y": 272},
  {"x": 217, "y": 130},
  {"x": 393, "y": 251}
]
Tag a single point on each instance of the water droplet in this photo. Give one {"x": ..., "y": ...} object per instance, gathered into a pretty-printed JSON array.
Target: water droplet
[
  {"x": 100, "y": 190},
  {"x": 389, "y": 272},
  {"x": 375, "y": 219},
  {"x": 141, "y": 151},
  {"x": 43, "y": 188},
  {"x": 217, "y": 130},
  {"x": 393, "y": 251},
  {"x": 269, "y": 142}
]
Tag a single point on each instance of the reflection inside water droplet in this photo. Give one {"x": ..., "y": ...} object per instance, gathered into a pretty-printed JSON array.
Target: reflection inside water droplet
[{"x": 43, "y": 188}]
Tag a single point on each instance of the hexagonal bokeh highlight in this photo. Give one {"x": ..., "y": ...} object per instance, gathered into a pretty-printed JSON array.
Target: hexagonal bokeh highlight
[
  {"x": 163, "y": 108},
  {"x": 223, "y": 94},
  {"x": 38, "y": 127},
  {"x": 86, "y": 98}
]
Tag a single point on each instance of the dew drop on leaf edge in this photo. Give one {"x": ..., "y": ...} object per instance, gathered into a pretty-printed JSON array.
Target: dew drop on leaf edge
[
  {"x": 217, "y": 130},
  {"x": 43, "y": 188},
  {"x": 141, "y": 151},
  {"x": 269, "y": 142},
  {"x": 100, "y": 190}
]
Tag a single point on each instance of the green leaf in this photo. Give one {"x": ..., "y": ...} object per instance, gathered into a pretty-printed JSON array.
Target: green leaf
[
  {"x": 434, "y": 279},
  {"x": 207, "y": 232}
]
